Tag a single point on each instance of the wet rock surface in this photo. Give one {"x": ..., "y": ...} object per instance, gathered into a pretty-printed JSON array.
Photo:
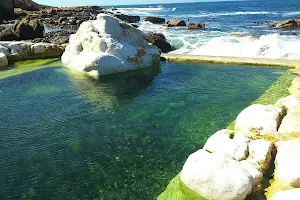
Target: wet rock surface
[{"x": 160, "y": 41}]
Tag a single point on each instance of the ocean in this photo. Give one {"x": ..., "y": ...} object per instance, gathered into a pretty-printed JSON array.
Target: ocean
[{"x": 223, "y": 19}]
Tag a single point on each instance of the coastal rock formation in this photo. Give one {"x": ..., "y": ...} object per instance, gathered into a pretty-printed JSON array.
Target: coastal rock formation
[
  {"x": 28, "y": 29},
  {"x": 288, "y": 162},
  {"x": 295, "y": 88},
  {"x": 7, "y": 35},
  {"x": 3, "y": 60},
  {"x": 173, "y": 23},
  {"x": 193, "y": 26},
  {"x": 27, "y": 5},
  {"x": 17, "y": 51},
  {"x": 128, "y": 18},
  {"x": 155, "y": 20},
  {"x": 160, "y": 41},
  {"x": 106, "y": 46},
  {"x": 202, "y": 170},
  {"x": 292, "y": 194},
  {"x": 259, "y": 119},
  {"x": 286, "y": 24},
  {"x": 6, "y": 9}
]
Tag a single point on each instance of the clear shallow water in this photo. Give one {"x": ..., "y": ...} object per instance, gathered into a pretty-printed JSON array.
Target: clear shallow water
[
  {"x": 64, "y": 136},
  {"x": 223, "y": 19}
]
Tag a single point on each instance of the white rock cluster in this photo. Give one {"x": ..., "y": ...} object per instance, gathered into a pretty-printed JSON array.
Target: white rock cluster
[
  {"x": 107, "y": 45},
  {"x": 231, "y": 165},
  {"x": 20, "y": 50}
]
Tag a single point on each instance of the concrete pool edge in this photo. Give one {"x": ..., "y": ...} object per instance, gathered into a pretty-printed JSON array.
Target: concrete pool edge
[
  {"x": 292, "y": 64},
  {"x": 177, "y": 190}
]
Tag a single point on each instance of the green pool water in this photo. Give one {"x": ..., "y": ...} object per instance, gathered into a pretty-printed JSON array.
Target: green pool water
[{"x": 125, "y": 136}]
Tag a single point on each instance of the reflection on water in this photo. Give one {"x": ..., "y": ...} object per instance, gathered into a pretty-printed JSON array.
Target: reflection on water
[
  {"x": 110, "y": 90},
  {"x": 65, "y": 136}
]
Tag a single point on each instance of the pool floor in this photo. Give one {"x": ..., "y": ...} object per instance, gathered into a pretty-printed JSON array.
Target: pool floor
[{"x": 125, "y": 136}]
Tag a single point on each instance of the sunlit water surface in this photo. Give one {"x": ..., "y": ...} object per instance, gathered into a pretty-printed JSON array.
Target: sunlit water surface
[{"x": 65, "y": 136}]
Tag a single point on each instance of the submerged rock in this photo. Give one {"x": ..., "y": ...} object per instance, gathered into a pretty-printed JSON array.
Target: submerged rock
[
  {"x": 3, "y": 60},
  {"x": 241, "y": 35},
  {"x": 286, "y": 24},
  {"x": 193, "y": 26},
  {"x": 288, "y": 162},
  {"x": 106, "y": 46},
  {"x": 214, "y": 176},
  {"x": 155, "y": 20},
  {"x": 160, "y": 41},
  {"x": 292, "y": 194},
  {"x": 259, "y": 120},
  {"x": 172, "y": 23}
]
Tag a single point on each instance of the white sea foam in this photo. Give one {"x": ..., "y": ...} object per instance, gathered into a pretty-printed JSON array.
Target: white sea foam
[
  {"x": 267, "y": 46},
  {"x": 291, "y": 13}
]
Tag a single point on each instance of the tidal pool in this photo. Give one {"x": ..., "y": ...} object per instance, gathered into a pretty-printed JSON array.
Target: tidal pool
[{"x": 125, "y": 136}]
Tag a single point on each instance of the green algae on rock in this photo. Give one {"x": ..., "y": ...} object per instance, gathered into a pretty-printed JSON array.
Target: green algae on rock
[{"x": 29, "y": 66}]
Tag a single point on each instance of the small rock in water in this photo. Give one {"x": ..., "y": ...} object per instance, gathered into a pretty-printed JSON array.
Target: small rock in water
[
  {"x": 193, "y": 26},
  {"x": 155, "y": 20}
]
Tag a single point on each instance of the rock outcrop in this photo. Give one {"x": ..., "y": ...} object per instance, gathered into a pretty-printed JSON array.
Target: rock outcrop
[
  {"x": 7, "y": 35},
  {"x": 128, "y": 18},
  {"x": 193, "y": 26},
  {"x": 287, "y": 24},
  {"x": 173, "y": 23},
  {"x": 6, "y": 9},
  {"x": 259, "y": 120},
  {"x": 160, "y": 41},
  {"x": 18, "y": 51},
  {"x": 292, "y": 194},
  {"x": 106, "y": 46},
  {"x": 155, "y": 20},
  {"x": 28, "y": 29}
]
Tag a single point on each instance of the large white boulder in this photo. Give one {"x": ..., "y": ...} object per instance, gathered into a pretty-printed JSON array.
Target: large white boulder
[
  {"x": 259, "y": 120},
  {"x": 288, "y": 162},
  {"x": 107, "y": 45},
  {"x": 215, "y": 176},
  {"x": 230, "y": 143},
  {"x": 3, "y": 60},
  {"x": 292, "y": 194},
  {"x": 261, "y": 152}
]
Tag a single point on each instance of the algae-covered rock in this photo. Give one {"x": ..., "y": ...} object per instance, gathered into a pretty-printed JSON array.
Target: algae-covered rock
[
  {"x": 259, "y": 119},
  {"x": 292, "y": 194},
  {"x": 28, "y": 29},
  {"x": 106, "y": 46},
  {"x": 233, "y": 145},
  {"x": 3, "y": 60},
  {"x": 288, "y": 162},
  {"x": 214, "y": 176}
]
